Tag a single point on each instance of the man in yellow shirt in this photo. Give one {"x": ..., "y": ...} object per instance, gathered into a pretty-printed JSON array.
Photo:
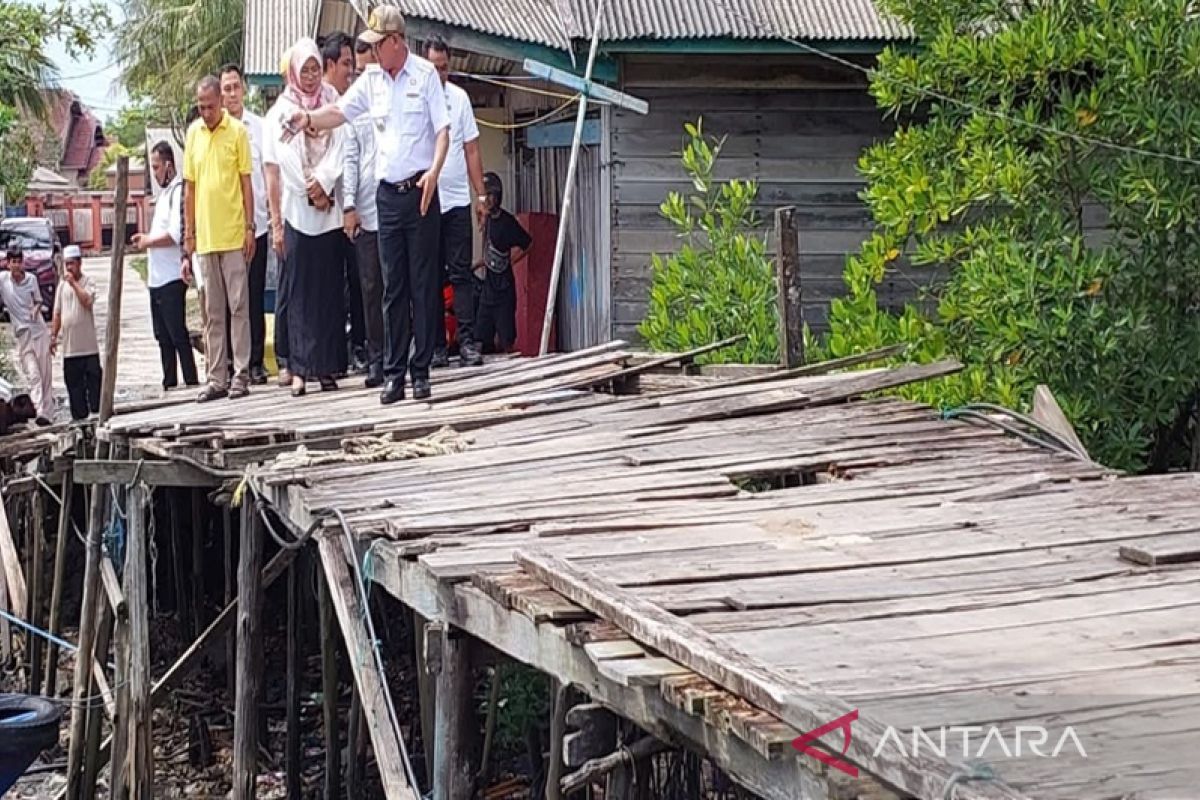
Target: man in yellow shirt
[{"x": 220, "y": 234}]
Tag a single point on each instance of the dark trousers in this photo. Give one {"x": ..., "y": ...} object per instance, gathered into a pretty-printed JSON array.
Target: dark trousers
[
  {"x": 455, "y": 259},
  {"x": 353, "y": 293},
  {"x": 408, "y": 252},
  {"x": 258, "y": 293},
  {"x": 283, "y": 288},
  {"x": 168, "y": 315},
  {"x": 371, "y": 282},
  {"x": 82, "y": 375},
  {"x": 497, "y": 312}
]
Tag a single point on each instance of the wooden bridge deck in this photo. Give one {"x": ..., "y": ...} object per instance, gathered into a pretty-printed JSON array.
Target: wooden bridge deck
[{"x": 730, "y": 564}]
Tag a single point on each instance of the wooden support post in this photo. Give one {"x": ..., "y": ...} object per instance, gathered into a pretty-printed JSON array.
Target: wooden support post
[
  {"x": 383, "y": 727},
  {"x": 249, "y": 656},
  {"x": 119, "y": 774},
  {"x": 91, "y": 746},
  {"x": 355, "y": 729},
  {"x": 37, "y": 562},
  {"x": 230, "y": 646},
  {"x": 787, "y": 270},
  {"x": 82, "y": 686},
  {"x": 179, "y": 568},
  {"x": 329, "y": 692},
  {"x": 558, "y": 729},
  {"x": 116, "y": 281},
  {"x": 54, "y": 624},
  {"x": 489, "y": 729},
  {"x": 5, "y": 628},
  {"x": 14, "y": 576},
  {"x": 294, "y": 667},
  {"x": 199, "y": 531},
  {"x": 141, "y": 741},
  {"x": 426, "y": 691},
  {"x": 456, "y": 750}
]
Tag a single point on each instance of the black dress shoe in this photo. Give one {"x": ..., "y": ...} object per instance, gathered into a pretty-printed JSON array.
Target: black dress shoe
[
  {"x": 469, "y": 354},
  {"x": 421, "y": 389},
  {"x": 393, "y": 392},
  {"x": 258, "y": 375},
  {"x": 440, "y": 358},
  {"x": 374, "y": 376}
]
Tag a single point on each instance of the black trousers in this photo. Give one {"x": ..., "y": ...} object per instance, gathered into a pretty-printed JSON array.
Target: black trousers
[
  {"x": 371, "y": 283},
  {"x": 283, "y": 289},
  {"x": 353, "y": 296},
  {"x": 168, "y": 315},
  {"x": 497, "y": 311},
  {"x": 408, "y": 252},
  {"x": 455, "y": 259},
  {"x": 82, "y": 375},
  {"x": 258, "y": 292}
]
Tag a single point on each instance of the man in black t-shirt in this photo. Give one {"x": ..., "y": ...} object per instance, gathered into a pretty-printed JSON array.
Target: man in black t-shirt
[{"x": 502, "y": 234}]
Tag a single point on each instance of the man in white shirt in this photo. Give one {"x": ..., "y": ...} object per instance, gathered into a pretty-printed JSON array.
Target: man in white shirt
[
  {"x": 462, "y": 172},
  {"x": 361, "y": 216},
  {"x": 19, "y": 293},
  {"x": 168, "y": 292},
  {"x": 233, "y": 97},
  {"x": 403, "y": 96}
]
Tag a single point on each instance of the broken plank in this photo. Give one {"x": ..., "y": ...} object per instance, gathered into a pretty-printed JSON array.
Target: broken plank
[
  {"x": 786, "y": 697},
  {"x": 1179, "y": 548}
]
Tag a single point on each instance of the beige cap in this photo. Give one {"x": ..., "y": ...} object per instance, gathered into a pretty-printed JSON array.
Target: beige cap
[{"x": 384, "y": 21}]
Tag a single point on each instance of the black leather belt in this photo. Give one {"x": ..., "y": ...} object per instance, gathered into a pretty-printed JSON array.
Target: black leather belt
[{"x": 406, "y": 185}]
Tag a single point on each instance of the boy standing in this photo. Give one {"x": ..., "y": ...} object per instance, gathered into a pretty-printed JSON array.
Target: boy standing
[
  {"x": 502, "y": 234},
  {"x": 20, "y": 295},
  {"x": 75, "y": 326}
]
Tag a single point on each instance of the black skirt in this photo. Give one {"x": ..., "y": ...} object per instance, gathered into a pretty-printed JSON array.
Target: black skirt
[{"x": 316, "y": 310}]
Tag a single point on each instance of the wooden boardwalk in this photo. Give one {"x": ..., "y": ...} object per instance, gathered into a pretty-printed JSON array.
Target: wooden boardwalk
[{"x": 731, "y": 563}]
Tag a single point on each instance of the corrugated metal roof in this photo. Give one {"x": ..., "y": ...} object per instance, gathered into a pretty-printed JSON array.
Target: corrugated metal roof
[
  {"x": 271, "y": 27},
  {"x": 523, "y": 20},
  {"x": 736, "y": 19}
]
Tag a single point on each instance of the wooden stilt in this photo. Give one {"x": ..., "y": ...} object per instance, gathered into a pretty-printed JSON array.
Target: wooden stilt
[
  {"x": 456, "y": 751},
  {"x": 141, "y": 740},
  {"x": 199, "y": 531},
  {"x": 249, "y": 656},
  {"x": 37, "y": 561},
  {"x": 60, "y": 565},
  {"x": 329, "y": 691},
  {"x": 95, "y": 711},
  {"x": 5, "y": 628},
  {"x": 489, "y": 729},
  {"x": 119, "y": 774},
  {"x": 230, "y": 647},
  {"x": 82, "y": 686},
  {"x": 355, "y": 734},
  {"x": 426, "y": 691},
  {"x": 558, "y": 729},
  {"x": 294, "y": 666},
  {"x": 183, "y": 596}
]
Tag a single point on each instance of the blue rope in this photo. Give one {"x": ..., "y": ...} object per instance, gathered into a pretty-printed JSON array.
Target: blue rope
[{"x": 50, "y": 637}]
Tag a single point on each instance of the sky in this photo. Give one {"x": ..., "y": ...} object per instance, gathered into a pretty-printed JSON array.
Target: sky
[{"x": 93, "y": 79}]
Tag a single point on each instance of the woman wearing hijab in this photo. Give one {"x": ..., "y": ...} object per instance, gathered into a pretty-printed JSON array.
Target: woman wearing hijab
[{"x": 306, "y": 223}]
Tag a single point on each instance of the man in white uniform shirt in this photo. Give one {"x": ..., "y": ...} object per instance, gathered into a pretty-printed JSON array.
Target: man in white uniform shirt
[
  {"x": 168, "y": 292},
  {"x": 462, "y": 172},
  {"x": 233, "y": 97},
  {"x": 403, "y": 96},
  {"x": 359, "y": 186}
]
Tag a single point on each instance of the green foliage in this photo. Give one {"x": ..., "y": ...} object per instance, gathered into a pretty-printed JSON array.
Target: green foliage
[
  {"x": 720, "y": 283},
  {"x": 129, "y": 125},
  {"x": 98, "y": 179},
  {"x": 165, "y": 46},
  {"x": 990, "y": 193},
  {"x": 140, "y": 265},
  {"x": 25, "y": 29},
  {"x": 524, "y": 703},
  {"x": 18, "y": 154}
]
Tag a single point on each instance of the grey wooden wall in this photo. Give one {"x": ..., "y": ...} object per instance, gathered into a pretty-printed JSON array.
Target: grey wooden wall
[{"x": 794, "y": 124}]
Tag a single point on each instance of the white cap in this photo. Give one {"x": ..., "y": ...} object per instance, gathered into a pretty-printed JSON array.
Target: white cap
[{"x": 72, "y": 251}]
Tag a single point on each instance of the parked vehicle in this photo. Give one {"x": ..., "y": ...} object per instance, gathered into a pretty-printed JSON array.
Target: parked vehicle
[{"x": 36, "y": 238}]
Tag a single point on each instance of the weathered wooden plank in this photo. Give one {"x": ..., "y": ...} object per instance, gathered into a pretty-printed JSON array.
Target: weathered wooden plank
[
  {"x": 140, "y": 772},
  {"x": 790, "y": 700},
  {"x": 384, "y": 735},
  {"x": 14, "y": 576},
  {"x": 1179, "y": 548},
  {"x": 155, "y": 473},
  {"x": 648, "y": 671}
]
